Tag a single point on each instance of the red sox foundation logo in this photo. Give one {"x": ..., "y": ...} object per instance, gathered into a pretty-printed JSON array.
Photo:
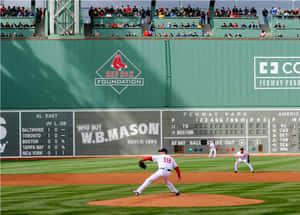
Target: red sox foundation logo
[{"x": 119, "y": 73}]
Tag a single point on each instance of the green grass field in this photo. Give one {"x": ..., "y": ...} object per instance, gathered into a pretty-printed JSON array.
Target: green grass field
[{"x": 279, "y": 197}]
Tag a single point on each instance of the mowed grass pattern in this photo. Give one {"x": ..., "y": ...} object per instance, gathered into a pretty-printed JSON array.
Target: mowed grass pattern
[
  {"x": 280, "y": 198},
  {"x": 109, "y": 165}
]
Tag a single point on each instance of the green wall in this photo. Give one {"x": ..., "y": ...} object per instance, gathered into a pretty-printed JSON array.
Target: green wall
[{"x": 60, "y": 74}]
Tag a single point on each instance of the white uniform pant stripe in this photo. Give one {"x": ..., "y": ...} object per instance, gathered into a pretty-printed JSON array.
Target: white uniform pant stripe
[
  {"x": 158, "y": 174},
  {"x": 237, "y": 164}
]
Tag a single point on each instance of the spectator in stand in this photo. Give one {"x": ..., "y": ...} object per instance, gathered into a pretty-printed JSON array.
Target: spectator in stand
[
  {"x": 199, "y": 25},
  {"x": 251, "y": 25},
  {"x": 20, "y": 25},
  {"x": 265, "y": 14},
  {"x": 20, "y": 15},
  {"x": 253, "y": 11},
  {"x": 128, "y": 34},
  {"x": 297, "y": 35},
  {"x": 108, "y": 25},
  {"x": 165, "y": 35},
  {"x": 235, "y": 10},
  {"x": 235, "y": 25},
  {"x": 187, "y": 25},
  {"x": 7, "y": 25},
  {"x": 128, "y": 9},
  {"x": 245, "y": 11},
  {"x": 224, "y": 25},
  {"x": 202, "y": 15},
  {"x": 258, "y": 25},
  {"x": 262, "y": 34},
  {"x": 162, "y": 25},
  {"x": 280, "y": 35},
  {"x": 13, "y": 25},
  {"x": 283, "y": 26},
  {"x": 243, "y": 25},
  {"x": 120, "y": 25},
  {"x": 277, "y": 25},
  {"x": 169, "y": 25},
  {"x": 238, "y": 35},
  {"x": 26, "y": 25},
  {"x": 147, "y": 33},
  {"x": 126, "y": 25},
  {"x": 181, "y": 25},
  {"x": 31, "y": 14},
  {"x": 143, "y": 15},
  {"x": 175, "y": 25},
  {"x": 193, "y": 25},
  {"x": 178, "y": 35},
  {"x": 230, "y": 25},
  {"x": 114, "y": 25}
]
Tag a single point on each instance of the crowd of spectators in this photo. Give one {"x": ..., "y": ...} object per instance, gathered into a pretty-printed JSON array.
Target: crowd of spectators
[
  {"x": 284, "y": 12},
  {"x": 242, "y": 25},
  {"x": 119, "y": 11},
  {"x": 115, "y": 25},
  {"x": 19, "y": 25},
  {"x": 236, "y": 12},
  {"x": 13, "y": 35},
  {"x": 15, "y": 11},
  {"x": 128, "y": 34},
  {"x": 237, "y": 35},
  {"x": 279, "y": 26},
  {"x": 181, "y": 25},
  {"x": 179, "y": 34}
]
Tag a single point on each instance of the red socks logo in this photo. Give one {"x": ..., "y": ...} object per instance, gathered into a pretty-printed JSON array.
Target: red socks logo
[{"x": 117, "y": 63}]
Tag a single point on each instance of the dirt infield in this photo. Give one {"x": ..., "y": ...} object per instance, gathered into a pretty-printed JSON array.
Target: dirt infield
[
  {"x": 137, "y": 178},
  {"x": 184, "y": 200}
]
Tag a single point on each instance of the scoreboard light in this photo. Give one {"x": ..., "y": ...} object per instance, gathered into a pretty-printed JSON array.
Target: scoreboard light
[{"x": 190, "y": 149}]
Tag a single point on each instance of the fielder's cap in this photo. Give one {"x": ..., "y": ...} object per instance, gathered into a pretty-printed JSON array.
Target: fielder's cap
[
  {"x": 241, "y": 148},
  {"x": 163, "y": 150}
]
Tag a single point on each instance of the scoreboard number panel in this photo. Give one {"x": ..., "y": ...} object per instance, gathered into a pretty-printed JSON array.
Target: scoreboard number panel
[{"x": 259, "y": 131}]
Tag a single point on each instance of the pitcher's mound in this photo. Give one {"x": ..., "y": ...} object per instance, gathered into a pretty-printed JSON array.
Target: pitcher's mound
[{"x": 184, "y": 200}]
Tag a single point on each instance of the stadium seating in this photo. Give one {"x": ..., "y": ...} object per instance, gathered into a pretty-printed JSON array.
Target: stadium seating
[
  {"x": 219, "y": 32},
  {"x": 27, "y": 32},
  {"x": 178, "y": 20},
  {"x": 116, "y": 32},
  {"x": 108, "y": 32},
  {"x": 291, "y": 26}
]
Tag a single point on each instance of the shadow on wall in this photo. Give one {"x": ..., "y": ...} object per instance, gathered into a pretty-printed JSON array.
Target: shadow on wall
[{"x": 31, "y": 81}]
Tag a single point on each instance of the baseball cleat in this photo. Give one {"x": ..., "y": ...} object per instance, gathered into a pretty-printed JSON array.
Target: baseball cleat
[
  {"x": 177, "y": 194},
  {"x": 235, "y": 171},
  {"x": 252, "y": 171},
  {"x": 135, "y": 192}
]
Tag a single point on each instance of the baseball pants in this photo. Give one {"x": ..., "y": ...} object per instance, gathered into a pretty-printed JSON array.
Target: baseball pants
[
  {"x": 245, "y": 161},
  {"x": 158, "y": 174}
]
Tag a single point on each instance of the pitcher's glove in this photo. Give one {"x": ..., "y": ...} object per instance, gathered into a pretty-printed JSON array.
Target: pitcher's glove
[
  {"x": 142, "y": 165},
  {"x": 248, "y": 159}
]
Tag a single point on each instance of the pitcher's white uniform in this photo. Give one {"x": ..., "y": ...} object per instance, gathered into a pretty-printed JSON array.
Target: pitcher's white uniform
[
  {"x": 212, "y": 149},
  {"x": 242, "y": 157},
  {"x": 165, "y": 166}
]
